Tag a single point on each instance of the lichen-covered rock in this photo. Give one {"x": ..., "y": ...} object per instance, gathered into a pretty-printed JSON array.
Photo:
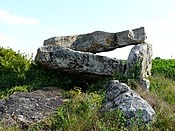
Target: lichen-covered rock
[
  {"x": 64, "y": 41},
  {"x": 140, "y": 56},
  {"x": 76, "y": 62},
  {"x": 139, "y": 62},
  {"x": 23, "y": 108},
  {"x": 120, "y": 96},
  {"x": 99, "y": 41}
]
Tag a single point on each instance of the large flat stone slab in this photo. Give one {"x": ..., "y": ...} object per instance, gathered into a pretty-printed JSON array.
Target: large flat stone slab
[
  {"x": 84, "y": 63},
  {"x": 25, "y": 108},
  {"x": 99, "y": 41}
]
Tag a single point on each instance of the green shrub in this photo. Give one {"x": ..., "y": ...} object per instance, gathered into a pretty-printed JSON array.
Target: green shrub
[
  {"x": 20, "y": 73},
  {"x": 164, "y": 67},
  {"x": 81, "y": 110},
  {"x": 120, "y": 76},
  {"x": 38, "y": 76},
  {"x": 13, "y": 67},
  {"x": 99, "y": 86},
  {"x": 7, "y": 92}
]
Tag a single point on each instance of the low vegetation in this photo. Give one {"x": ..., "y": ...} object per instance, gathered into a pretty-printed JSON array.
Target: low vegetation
[
  {"x": 164, "y": 67},
  {"x": 81, "y": 110}
]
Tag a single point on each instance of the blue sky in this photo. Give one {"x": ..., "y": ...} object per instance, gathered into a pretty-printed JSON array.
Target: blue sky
[{"x": 24, "y": 25}]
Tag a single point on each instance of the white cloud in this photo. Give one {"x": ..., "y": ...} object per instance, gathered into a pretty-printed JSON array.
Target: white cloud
[{"x": 7, "y": 17}]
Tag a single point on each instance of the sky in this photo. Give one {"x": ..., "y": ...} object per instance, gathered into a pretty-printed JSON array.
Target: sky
[{"x": 24, "y": 25}]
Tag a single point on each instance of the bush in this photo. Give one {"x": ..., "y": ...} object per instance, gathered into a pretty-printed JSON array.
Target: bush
[
  {"x": 13, "y": 67},
  {"x": 16, "y": 69},
  {"x": 81, "y": 110},
  {"x": 38, "y": 76},
  {"x": 164, "y": 67}
]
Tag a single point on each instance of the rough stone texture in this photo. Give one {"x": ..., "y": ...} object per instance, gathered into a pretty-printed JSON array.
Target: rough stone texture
[
  {"x": 65, "y": 59},
  {"x": 139, "y": 62},
  {"x": 141, "y": 54},
  {"x": 99, "y": 41},
  {"x": 120, "y": 96},
  {"x": 26, "y": 108},
  {"x": 63, "y": 41},
  {"x": 145, "y": 83}
]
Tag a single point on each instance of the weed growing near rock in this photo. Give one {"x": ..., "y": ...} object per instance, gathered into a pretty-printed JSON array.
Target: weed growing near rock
[{"x": 81, "y": 110}]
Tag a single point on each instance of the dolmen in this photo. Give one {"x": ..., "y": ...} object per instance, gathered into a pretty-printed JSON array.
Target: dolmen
[{"x": 77, "y": 54}]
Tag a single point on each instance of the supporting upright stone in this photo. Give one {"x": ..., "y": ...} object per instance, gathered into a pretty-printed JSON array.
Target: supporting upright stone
[
  {"x": 139, "y": 63},
  {"x": 99, "y": 41}
]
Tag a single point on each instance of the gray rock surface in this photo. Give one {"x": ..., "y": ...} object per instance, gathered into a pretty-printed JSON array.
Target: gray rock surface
[
  {"x": 76, "y": 62},
  {"x": 140, "y": 55},
  {"x": 145, "y": 83},
  {"x": 63, "y": 41},
  {"x": 139, "y": 62},
  {"x": 26, "y": 108},
  {"x": 120, "y": 96},
  {"x": 99, "y": 41}
]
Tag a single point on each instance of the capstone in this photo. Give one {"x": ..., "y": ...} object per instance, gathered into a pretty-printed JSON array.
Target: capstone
[{"x": 99, "y": 41}]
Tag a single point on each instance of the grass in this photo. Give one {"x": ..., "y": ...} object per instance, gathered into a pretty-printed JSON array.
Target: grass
[
  {"x": 81, "y": 110},
  {"x": 164, "y": 88},
  {"x": 162, "y": 98}
]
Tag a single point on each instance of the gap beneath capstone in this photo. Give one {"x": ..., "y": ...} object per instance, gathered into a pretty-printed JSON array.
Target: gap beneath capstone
[{"x": 119, "y": 53}]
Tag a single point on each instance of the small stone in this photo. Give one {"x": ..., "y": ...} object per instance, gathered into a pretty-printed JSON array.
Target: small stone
[{"x": 128, "y": 101}]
